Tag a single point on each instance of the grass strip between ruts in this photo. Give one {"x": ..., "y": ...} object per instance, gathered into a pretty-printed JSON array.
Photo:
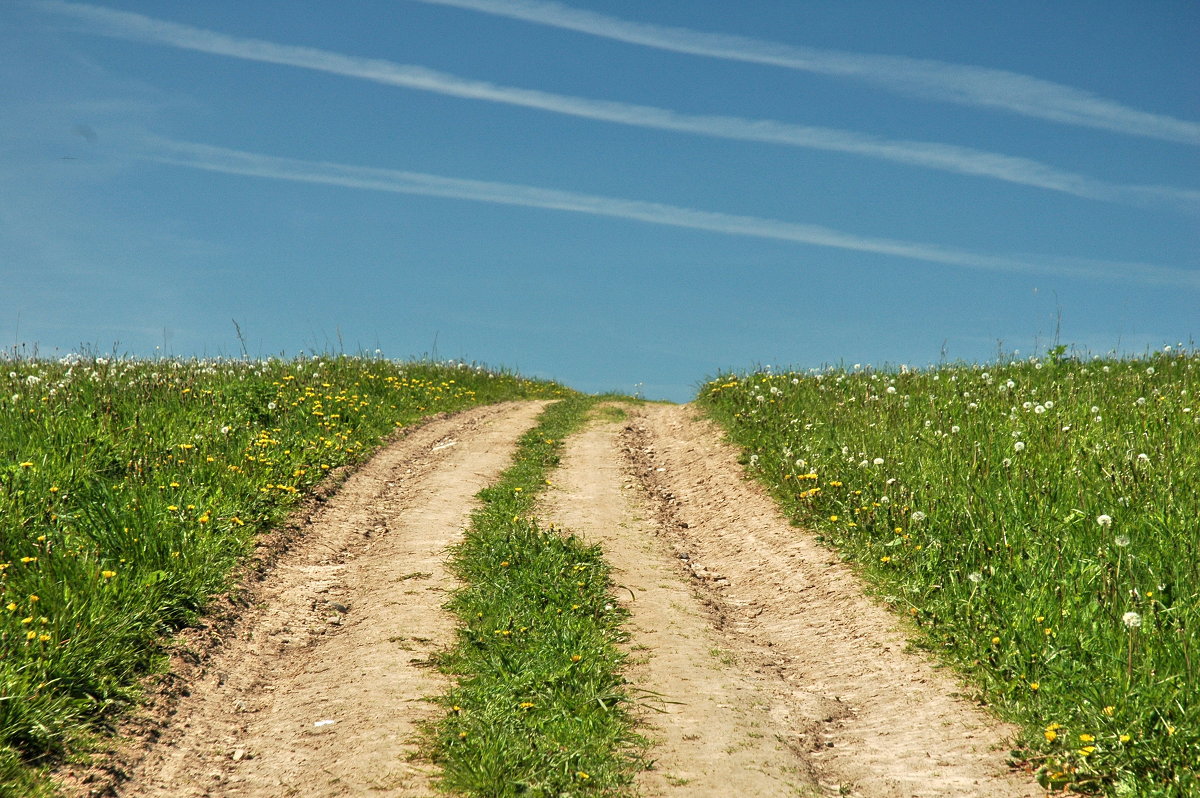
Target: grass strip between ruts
[{"x": 541, "y": 706}]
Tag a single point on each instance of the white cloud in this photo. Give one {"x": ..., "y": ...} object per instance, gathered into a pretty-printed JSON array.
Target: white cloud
[
  {"x": 936, "y": 80},
  {"x": 219, "y": 159},
  {"x": 931, "y": 155}
]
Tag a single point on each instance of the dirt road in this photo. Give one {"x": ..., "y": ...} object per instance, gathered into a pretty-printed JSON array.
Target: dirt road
[{"x": 766, "y": 671}]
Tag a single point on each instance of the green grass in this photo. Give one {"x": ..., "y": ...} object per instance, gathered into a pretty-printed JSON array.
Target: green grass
[
  {"x": 130, "y": 489},
  {"x": 1039, "y": 520},
  {"x": 541, "y": 706}
]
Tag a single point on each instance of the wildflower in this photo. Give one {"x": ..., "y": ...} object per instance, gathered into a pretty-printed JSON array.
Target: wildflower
[
  {"x": 1019, "y": 446},
  {"x": 1104, "y": 520},
  {"x": 1121, "y": 540},
  {"x": 975, "y": 577},
  {"x": 1034, "y": 686},
  {"x": 1143, "y": 458},
  {"x": 27, "y": 464},
  {"x": 579, "y": 774},
  {"x": 575, "y": 658},
  {"x": 1125, "y": 738},
  {"x": 878, "y": 461},
  {"x": 1131, "y": 620},
  {"x": 918, "y": 516},
  {"x": 1087, "y": 738},
  {"x": 1051, "y": 735},
  {"x": 108, "y": 574},
  {"x": 1108, "y": 710}
]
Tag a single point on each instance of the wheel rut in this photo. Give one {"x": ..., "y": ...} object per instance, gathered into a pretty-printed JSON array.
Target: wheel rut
[
  {"x": 321, "y": 685},
  {"x": 863, "y": 714}
]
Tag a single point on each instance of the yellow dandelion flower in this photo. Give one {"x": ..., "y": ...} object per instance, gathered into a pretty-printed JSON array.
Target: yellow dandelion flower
[{"x": 108, "y": 574}]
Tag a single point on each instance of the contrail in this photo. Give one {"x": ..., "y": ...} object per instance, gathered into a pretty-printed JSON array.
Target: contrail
[
  {"x": 943, "y": 157},
  {"x": 238, "y": 162},
  {"x": 929, "y": 79}
]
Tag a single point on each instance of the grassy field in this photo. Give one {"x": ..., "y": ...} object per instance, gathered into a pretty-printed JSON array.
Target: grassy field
[
  {"x": 130, "y": 489},
  {"x": 1038, "y": 520}
]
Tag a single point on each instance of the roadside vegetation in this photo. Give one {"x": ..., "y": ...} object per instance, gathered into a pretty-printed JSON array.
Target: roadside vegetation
[
  {"x": 129, "y": 489},
  {"x": 1038, "y": 520},
  {"x": 541, "y": 708}
]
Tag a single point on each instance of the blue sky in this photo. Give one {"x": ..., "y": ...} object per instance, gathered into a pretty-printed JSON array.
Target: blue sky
[{"x": 620, "y": 195}]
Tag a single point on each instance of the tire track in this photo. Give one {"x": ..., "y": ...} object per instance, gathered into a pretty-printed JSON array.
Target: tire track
[
  {"x": 869, "y": 717},
  {"x": 320, "y": 687}
]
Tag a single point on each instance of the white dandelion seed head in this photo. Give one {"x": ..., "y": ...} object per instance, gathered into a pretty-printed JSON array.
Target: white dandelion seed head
[
  {"x": 1121, "y": 540},
  {"x": 1039, "y": 409},
  {"x": 975, "y": 577},
  {"x": 918, "y": 516},
  {"x": 878, "y": 461},
  {"x": 1104, "y": 520},
  {"x": 1143, "y": 458},
  {"x": 1019, "y": 446},
  {"x": 1131, "y": 620}
]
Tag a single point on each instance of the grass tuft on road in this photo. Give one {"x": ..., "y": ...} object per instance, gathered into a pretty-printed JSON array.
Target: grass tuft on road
[{"x": 541, "y": 708}]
